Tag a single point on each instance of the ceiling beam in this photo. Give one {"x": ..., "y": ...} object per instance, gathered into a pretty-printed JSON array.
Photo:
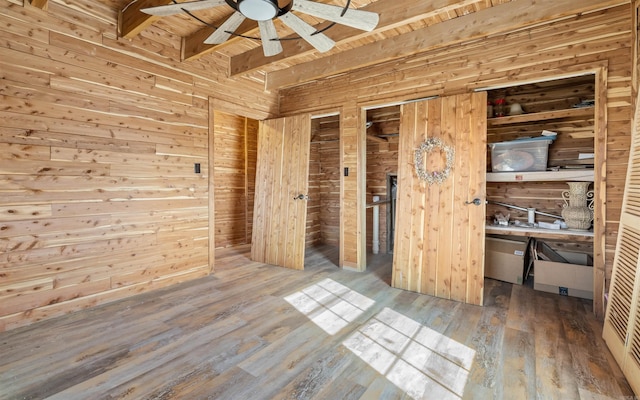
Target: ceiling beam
[
  {"x": 42, "y": 4},
  {"x": 193, "y": 46},
  {"x": 132, "y": 21},
  {"x": 499, "y": 19},
  {"x": 393, "y": 14}
]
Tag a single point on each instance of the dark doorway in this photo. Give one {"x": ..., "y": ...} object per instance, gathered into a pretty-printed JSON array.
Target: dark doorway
[{"x": 392, "y": 185}]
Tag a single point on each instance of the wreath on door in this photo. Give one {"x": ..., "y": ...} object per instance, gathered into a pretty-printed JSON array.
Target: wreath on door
[{"x": 426, "y": 148}]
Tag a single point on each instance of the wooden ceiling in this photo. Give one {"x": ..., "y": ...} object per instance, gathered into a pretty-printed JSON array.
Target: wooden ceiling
[
  {"x": 406, "y": 27},
  {"x": 397, "y": 17}
]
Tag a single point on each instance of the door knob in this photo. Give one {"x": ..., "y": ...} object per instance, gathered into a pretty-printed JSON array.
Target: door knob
[
  {"x": 301, "y": 197},
  {"x": 475, "y": 202}
]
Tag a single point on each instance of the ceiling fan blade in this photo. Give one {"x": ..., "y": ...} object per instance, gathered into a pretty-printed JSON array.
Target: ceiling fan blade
[
  {"x": 364, "y": 20},
  {"x": 225, "y": 30},
  {"x": 320, "y": 41},
  {"x": 171, "y": 9},
  {"x": 268, "y": 32}
]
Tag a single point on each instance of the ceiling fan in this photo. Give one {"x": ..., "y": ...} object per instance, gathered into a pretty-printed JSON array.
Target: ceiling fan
[{"x": 266, "y": 11}]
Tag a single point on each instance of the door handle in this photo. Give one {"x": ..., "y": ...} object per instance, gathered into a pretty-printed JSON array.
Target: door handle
[
  {"x": 475, "y": 202},
  {"x": 301, "y": 197}
]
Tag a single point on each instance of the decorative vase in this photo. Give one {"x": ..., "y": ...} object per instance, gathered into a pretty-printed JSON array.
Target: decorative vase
[{"x": 578, "y": 206}]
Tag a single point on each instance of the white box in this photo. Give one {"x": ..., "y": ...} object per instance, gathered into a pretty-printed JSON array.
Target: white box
[{"x": 520, "y": 155}]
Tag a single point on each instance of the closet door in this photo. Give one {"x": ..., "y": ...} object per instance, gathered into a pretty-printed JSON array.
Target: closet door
[
  {"x": 439, "y": 239},
  {"x": 622, "y": 318},
  {"x": 282, "y": 179}
]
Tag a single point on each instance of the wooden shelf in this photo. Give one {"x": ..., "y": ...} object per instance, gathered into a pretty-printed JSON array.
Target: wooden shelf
[
  {"x": 569, "y": 175},
  {"x": 558, "y": 234},
  {"x": 542, "y": 116}
]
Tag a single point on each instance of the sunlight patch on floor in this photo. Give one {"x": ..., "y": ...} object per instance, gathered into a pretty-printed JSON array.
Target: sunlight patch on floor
[
  {"x": 418, "y": 360},
  {"x": 329, "y": 304}
]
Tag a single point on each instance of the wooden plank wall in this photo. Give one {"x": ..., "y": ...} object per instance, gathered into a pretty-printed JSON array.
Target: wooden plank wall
[
  {"x": 323, "y": 210},
  {"x": 98, "y": 140},
  {"x": 330, "y": 184},
  {"x": 312, "y": 235},
  {"x": 543, "y": 50},
  {"x": 352, "y": 188},
  {"x": 251, "y": 154},
  {"x": 235, "y": 149}
]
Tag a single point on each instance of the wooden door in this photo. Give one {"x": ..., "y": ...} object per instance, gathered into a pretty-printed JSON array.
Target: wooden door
[
  {"x": 622, "y": 319},
  {"x": 439, "y": 242},
  {"x": 282, "y": 174}
]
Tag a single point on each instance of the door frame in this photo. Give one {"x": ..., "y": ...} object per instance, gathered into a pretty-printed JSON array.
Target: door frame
[
  {"x": 361, "y": 207},
  {"x": 600, "y": 72}
]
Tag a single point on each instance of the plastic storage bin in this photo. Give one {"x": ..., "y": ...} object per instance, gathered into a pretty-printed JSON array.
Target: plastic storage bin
[{"x": 520, "y": 155}]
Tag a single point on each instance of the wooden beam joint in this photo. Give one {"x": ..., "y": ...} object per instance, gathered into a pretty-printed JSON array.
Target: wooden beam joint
[
  {"x": 41, "y": 4},
  {"x": 132, "y": 21}
]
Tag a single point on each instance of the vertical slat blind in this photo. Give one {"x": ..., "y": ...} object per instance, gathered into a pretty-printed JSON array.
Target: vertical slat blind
[
  {"x": 622, "y": 319},
  {"x": 621, "y": 292}
]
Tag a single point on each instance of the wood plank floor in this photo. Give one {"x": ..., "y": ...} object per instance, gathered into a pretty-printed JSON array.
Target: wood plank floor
[{"x": 253, "y": 331}]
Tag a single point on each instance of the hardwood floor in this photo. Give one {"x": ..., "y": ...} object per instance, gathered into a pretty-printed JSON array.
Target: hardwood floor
[{"x": 254, "y": 331}]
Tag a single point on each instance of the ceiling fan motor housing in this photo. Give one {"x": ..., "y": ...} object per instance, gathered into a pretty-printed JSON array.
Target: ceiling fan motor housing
[{"x": 259, "y": 10}]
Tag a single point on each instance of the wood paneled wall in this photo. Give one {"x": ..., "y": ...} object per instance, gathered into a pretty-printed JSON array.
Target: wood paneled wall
[
  {"x": 323, "y": 210},
  {"x": 352, "y": 188},
  {"x": 314, "y": 222},
  {"x": 98, "y": 137},
  {"x": 251, "y": 154},
  {"x": 235, "y": 151},
  {"x": 330, "y": 184},
  {"x": 542, "y": 51}
]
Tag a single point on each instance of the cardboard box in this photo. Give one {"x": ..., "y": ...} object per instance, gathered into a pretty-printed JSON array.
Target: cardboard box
[
  {"x": 504, "y": 259},
  {"x": 573, "y": 278}
]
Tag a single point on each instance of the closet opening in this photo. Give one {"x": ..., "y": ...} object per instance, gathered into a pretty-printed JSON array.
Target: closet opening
[{"x": 323, "y": 205}]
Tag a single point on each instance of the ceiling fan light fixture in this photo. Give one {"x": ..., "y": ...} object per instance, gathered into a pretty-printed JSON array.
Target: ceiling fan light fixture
[
  {"x": 258, "y": 10},
  {"x": 264, "y": 12}
]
